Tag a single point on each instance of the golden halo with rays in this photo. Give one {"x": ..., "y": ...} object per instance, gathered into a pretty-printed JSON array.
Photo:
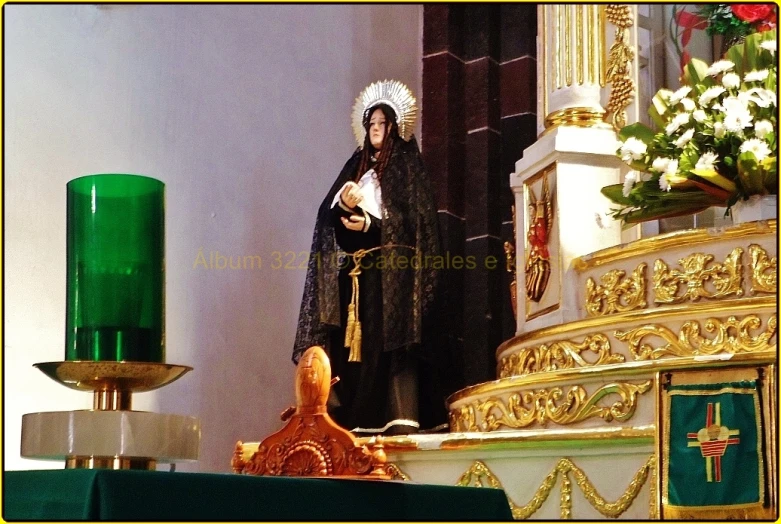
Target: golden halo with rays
[{"x": 396, "y": 95}]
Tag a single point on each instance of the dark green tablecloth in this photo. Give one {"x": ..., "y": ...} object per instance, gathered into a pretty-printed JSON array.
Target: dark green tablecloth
[{"x": 157, "y": 495}]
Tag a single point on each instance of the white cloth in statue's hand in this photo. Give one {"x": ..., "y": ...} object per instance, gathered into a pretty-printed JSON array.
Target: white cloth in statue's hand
[{"x": 371, "y": 193}]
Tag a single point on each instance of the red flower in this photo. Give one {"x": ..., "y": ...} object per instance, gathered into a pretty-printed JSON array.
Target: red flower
[
  {"x": 689, "y": 21},
  {"x": 752, "y": 12},
  {"x": 768, "y": 24}
]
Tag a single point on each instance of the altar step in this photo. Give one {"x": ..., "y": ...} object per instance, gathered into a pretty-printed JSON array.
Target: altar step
[{"x": 548, "y": 474}]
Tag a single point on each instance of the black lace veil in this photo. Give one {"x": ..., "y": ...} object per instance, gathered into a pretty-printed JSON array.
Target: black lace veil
[{"x": 408, "y": 294}]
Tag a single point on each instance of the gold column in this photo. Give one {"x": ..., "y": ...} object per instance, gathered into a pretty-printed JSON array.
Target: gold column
[
  {"x": 558, "y": 46},
  {"x": 572, "y": 65},
  {"x": 543, "y": 33},
  {"x": 567, "y": 37},
  {"x": 579, "y": 38}
]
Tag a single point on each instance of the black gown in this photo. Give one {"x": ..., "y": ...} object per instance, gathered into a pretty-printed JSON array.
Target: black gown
[{"x": 395, "y": 386}]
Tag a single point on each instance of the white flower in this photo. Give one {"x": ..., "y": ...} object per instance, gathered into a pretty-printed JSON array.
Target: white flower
[
  {"x": 736, "y": 122},
  {"x": 678, "y": 95},
  {"x": 629, "y": 183},
  {"x": 719, "y": 130},
  {"x": 769, "y": 45},
  {"x": 677, "y": 121},
  {"x": 763, "y": 128},
  {"x": 700, "y": 116},
  {"x": 633, "y": 149},
  {"x": 672, "y": 170},
  {"x": 688, "y": 104},
  {"x": 660, "y": 164},
  {"x": 760, "y": 96},
  {"x": 756, "y": 76},
  {"x": 722, "y": 66},
  {"x": 730, "y": 81},
  {"x": 734, "y": 103},
  {"x": 736, "y": 114},
  {"x": 707, "y": 160},
  {"x": 684, "y": 138},
  {"x": 756, "y": 146},
  {"x": 710, "y": 94}
]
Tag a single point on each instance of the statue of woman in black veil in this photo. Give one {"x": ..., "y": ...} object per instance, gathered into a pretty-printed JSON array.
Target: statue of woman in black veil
[{"x": 371, "y": 285}]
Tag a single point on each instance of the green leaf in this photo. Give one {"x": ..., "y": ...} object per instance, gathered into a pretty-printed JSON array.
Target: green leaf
[
  {"x": 735, "y": 55},
  {"x": 765, "y": 59},
  {"x": 665, "y": 210},
  {"x": 659, "y": 107},
  {"x": 660, "y": 100},
  {"x": 770, "y": 174},
  {"x": 695, "y": 72},
  {"x": 616, "y": 194},
  {"x": 750, "y": 175},
  {"x": 656, "y": 118},
  {"x": 637, "y": 130},
  {"x": 770, "y": 164},
  {"x": 750, "y": 49}
]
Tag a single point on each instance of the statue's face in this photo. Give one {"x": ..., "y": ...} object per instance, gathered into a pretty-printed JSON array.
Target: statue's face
[{"x": 377, "y": 129}]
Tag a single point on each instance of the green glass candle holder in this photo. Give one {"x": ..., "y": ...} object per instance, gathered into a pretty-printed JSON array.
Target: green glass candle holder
[{"x": 116, "y": 272}]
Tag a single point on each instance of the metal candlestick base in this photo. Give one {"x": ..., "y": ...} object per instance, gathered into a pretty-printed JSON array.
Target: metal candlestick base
[
  {"x": 111, "y": 435},
  {"x": 113, "y": 383}
]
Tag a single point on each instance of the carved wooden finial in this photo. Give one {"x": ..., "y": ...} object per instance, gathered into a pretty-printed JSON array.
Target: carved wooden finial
[
  {"x": 311, "y": 443},
  {"x": 313, "y": 380}
]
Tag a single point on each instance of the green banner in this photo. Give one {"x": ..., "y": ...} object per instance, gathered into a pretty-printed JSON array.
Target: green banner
[{"x": 713, "y": 446}]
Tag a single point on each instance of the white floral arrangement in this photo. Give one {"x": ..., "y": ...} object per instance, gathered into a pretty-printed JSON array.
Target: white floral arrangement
[{"x": 717, "y": 138}]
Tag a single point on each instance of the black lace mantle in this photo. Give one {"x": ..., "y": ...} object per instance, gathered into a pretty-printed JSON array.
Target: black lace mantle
[{"x": 409, "y": 219}]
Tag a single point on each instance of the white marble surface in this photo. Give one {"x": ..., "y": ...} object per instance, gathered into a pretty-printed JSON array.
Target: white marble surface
[{"x": 60, "y": 434}]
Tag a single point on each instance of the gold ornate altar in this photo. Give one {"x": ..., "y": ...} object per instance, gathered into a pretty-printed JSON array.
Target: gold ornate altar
[
  {"x": 690, "y": 307},
  {"x": 575, "y": 425}
]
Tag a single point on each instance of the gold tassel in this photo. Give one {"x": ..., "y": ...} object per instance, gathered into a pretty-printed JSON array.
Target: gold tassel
[
  {"x": 353, "y": 334},
  {"x": 355, "y": 347},
  {"x": 348, "y": 334}
]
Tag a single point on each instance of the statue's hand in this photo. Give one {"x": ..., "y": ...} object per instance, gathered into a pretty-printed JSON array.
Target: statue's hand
[
  {"x": 355, "y": 223},
  {"x": 351, "y": 195}
]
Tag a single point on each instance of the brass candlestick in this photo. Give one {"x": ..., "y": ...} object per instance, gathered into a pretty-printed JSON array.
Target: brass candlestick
[
  {"x": 98, "y": 438},
  {"x": 113, "y": 383}
]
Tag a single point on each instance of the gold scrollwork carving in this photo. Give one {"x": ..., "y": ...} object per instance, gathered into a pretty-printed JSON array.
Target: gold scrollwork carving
[
  {"x": 563, "y": 354},
  {"x": 764, "y": 270},
  {"x": 622, "y": 87},
  {"x": 565, "y": 500},
  {"x": 726, "y": 278},
  {"x": 653, "y": 509},
  {"x": 615, "y": 293},
  {"x": 463, "y": 419},
  {"x": 395, "y": 472},
  {"x": 539, "y": 406},
  {"x": 730, "y": 336},
  {"x": 479, "y": 475}
]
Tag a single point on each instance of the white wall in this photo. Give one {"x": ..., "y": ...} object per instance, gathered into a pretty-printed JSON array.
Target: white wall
[{"x": 243, "y": 111}]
